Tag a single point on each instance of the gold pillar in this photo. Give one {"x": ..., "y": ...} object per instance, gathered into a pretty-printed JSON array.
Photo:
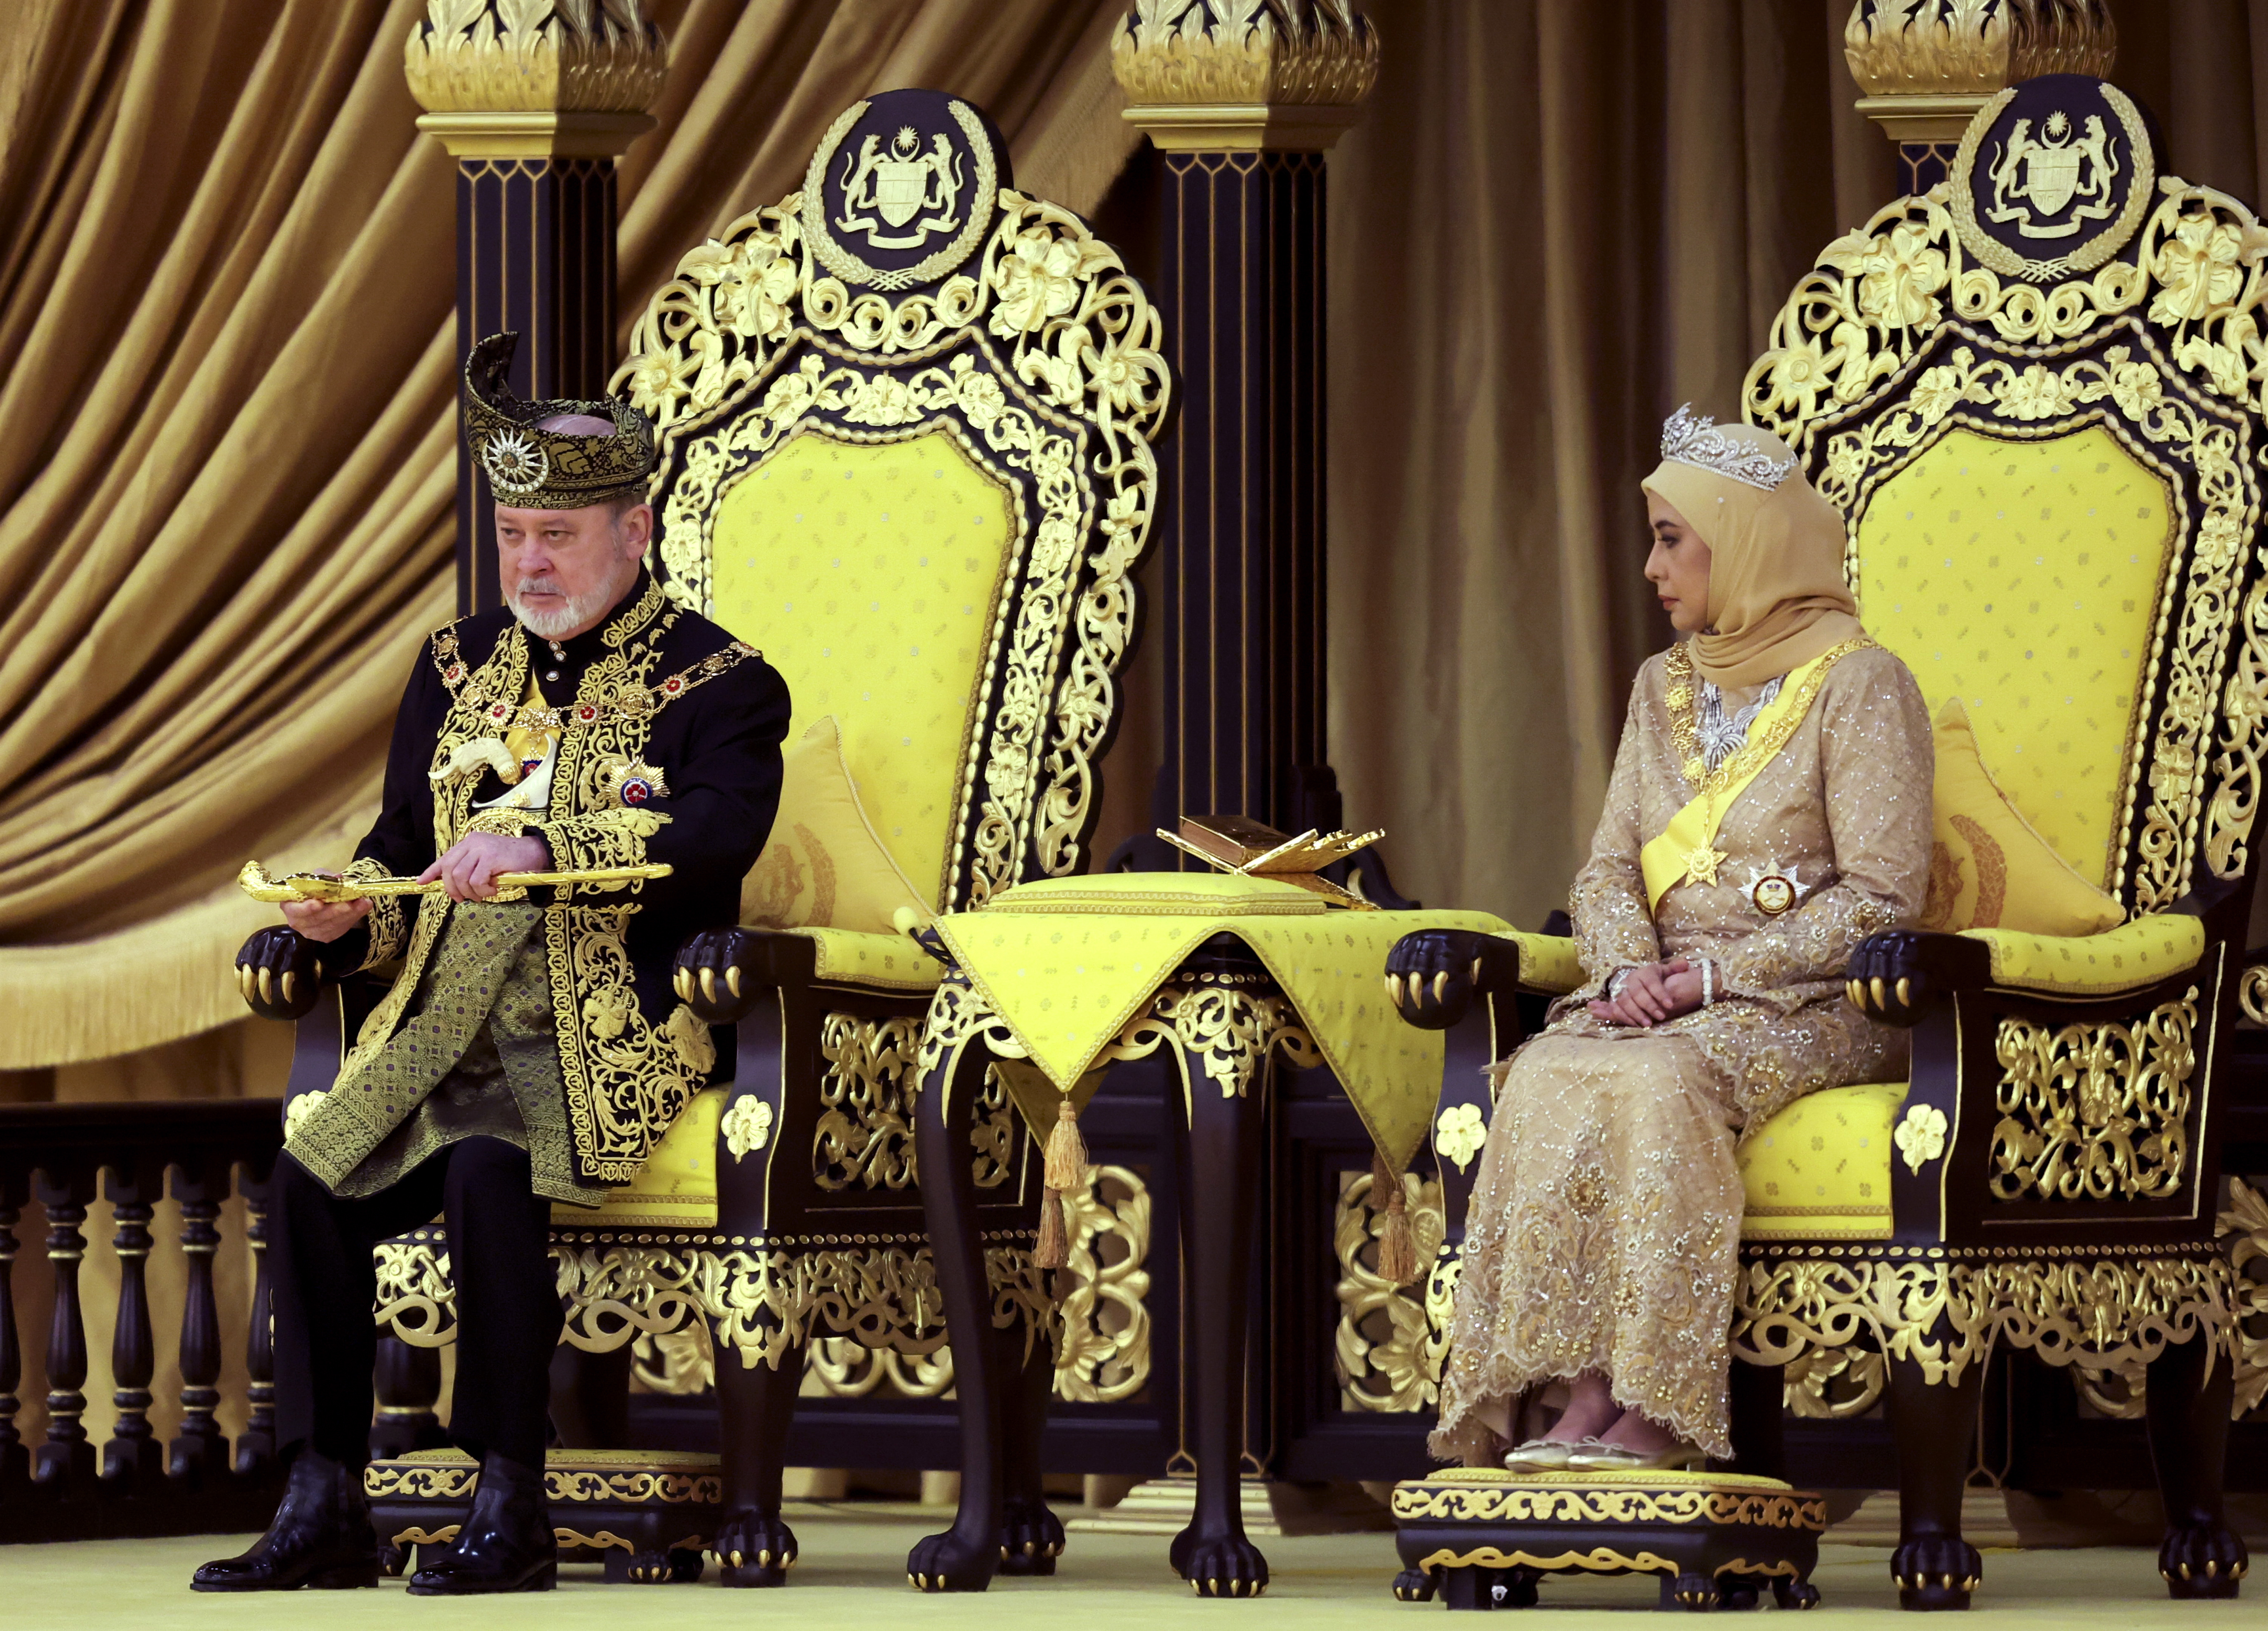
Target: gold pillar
[
  {"x": 536, "y": 99},
  {"x": 1926, "y": 66},
  {"x": 1242, "y": 97}
]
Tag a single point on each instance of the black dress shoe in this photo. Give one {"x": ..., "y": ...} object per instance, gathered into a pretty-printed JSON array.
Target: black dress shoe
[
  {"x": 506, "y": 1543},
  {"x": 321, "y": 1537}
]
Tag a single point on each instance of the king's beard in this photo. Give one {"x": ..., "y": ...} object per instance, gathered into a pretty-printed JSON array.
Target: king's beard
[{"x": 572, "y": 615}]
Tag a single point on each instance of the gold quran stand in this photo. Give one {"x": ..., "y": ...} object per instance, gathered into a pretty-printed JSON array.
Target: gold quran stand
[
  {"x": 1249, "y": 848},
  {"x": 302, "y": 887}
]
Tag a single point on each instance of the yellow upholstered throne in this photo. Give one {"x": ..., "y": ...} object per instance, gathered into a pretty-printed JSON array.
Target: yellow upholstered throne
[
  {"x": 909, "y": 460},
  {"x": 2049, "y": 450}
]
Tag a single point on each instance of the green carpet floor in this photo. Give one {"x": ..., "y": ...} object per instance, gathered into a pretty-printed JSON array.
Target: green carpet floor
[{"x": 852, "y": 1577}]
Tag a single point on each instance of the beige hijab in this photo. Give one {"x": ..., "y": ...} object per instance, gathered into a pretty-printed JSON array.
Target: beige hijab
[{"x": 1777, "y": 597}]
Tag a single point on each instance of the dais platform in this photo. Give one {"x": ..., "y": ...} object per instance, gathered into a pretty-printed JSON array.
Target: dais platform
[
  {"x": 646, "y": 1515},
  {"x": 1485, "y": 1539}
]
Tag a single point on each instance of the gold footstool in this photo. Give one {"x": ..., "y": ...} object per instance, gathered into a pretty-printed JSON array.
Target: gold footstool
[
  {"x": 1483, "y": 1538},
  {"x": 647, "y": 1514}
]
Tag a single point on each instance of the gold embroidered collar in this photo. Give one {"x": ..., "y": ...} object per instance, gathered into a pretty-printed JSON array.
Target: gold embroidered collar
[
  {"x": 652, "y": 613},
  {"x": 1685, "y": 724}
]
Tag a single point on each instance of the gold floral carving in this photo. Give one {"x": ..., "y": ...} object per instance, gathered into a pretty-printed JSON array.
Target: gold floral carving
[
  {"x": 763, "y": 1300},
  {"x": 1945, "y": 1314},
  {"x": 838, "y": 1368},
  {"x": 1220, "y": 59},
  {"x": 1228, "y": 1032},
  {"x": 2088, "y": 1112},
  {"x": 746, "y": 1125},
  {"x": 2252, "y": 993},
  {"x": 1545, "y": 1500},
  {"x": 2177, "y": 387},
  {"x": 1834, "y": 1384},
  {"x": 417, "y": 1300},
  {"x": 1047, "y": 352},
  {"x": 1603, "y": 1558},
  {"x": 1391, "y": 1347},
  {"x": 865, "y": 1132},
  {"x": 1459, "y": 1135},
  {"x": 536, "y": 55},
  {"x": 1915, "y": 47},
  {"x": 1920, "y": 1136},
  {"x": 991, "y": 1134},
  {"x": 1103, "y": 1356},
  {"x": 2245, "y": 1228}
]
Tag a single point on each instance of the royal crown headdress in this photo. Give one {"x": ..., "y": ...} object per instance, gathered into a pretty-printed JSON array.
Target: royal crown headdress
[
  {"x": 536, "y": 470},
  {"x": 1691, "y": 439}
]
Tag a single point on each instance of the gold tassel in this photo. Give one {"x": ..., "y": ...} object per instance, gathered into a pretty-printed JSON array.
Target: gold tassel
[
  {"x": 1397, "y": 1246},
  {"x": 1054, "y": 1248},
  {"x": 1066, "y": 1152}
]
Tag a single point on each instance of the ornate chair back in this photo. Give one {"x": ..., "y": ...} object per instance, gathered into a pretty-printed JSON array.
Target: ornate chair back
[
  {"x": 905, "y": 416},
  {"x": 2049, "y": 451}
]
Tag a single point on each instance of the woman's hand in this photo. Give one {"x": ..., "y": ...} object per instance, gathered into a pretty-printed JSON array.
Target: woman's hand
[{"x": 1653, "y": 994}]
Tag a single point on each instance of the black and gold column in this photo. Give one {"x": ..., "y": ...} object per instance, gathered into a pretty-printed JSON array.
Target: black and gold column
[
  {"x": 1926, "y": 66},
  {"x": 535, "y": 115},
  {"x": 1243, "y": 101}
]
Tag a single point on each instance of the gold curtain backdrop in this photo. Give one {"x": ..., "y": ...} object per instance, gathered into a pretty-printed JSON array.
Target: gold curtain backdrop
[
  {"x": 225, "y": 479},
  {"x": 226, "y": 283}
]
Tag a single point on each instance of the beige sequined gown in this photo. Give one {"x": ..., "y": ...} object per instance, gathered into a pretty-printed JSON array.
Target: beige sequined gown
[{"x": 1604, "y": 1230}]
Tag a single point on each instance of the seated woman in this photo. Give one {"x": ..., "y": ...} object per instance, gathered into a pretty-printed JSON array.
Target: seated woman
[{"x": 1770, "y": 809}]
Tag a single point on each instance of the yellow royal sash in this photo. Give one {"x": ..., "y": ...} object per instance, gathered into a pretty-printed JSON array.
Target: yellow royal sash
[{"x": 1687, "y": 847}]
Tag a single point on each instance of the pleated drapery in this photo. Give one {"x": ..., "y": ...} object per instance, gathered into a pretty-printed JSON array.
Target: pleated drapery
[
  {"x": 225, "y": 456},
  {"x": 227, "y": 463}
]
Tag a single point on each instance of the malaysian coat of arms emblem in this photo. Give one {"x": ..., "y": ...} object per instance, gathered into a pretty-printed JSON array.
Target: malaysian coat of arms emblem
[
  {"x": 2050, "y": 171},
  {"x": 2053, "y": 177},
  {"x": 899, "y": 187},
  {"x": 903, "y": 189}
]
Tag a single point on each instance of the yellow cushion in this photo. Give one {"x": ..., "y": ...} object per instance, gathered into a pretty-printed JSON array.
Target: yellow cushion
[
  {"x": 1988, "y": 868},
  {"x": 890, "y": 961},
  {"x": 1161, "y": 894},
  {"x": 676, "y": 1189},
  {"x": 2141, "y": 952},
  {"x": 1821, "y": 1168},
  {"x": 2028, "y": 578},
  {"x": 869, "y": 576},
  {"x": 823, "y": 866},
  {"x": 1547, "y": 962}
]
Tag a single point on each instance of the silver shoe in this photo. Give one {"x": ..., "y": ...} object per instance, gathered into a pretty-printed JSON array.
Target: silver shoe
[
  {"x": 1544, "y": 1454},
  {"x": 1593, "y": 1457}
]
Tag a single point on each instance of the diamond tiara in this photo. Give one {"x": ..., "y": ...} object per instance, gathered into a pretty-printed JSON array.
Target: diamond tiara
[{"x": 1693, "y": 438}]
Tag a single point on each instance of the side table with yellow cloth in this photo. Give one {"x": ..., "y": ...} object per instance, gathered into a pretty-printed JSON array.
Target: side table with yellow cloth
[{"x": 1057, "y": 980}]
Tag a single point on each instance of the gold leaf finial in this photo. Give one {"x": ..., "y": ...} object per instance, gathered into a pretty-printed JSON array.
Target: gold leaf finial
[
  {"x": 1926, "y": 66},
  {"x": 513, "y": 78},
  {"x": 1236, "y": 73}
]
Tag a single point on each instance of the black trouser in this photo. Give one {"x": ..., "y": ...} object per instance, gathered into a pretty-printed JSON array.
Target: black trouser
[{"x": 508, "y": 1316}]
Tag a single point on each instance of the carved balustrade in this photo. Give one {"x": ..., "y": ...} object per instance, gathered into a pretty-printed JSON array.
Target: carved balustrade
[{"x": 63, "y": 1159}]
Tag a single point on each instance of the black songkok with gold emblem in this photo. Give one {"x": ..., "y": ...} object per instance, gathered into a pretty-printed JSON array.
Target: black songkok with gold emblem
[{"x": 534, "y": 469}]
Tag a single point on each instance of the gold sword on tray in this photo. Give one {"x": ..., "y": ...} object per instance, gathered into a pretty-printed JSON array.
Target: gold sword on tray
[{"x": 255, "y": 882}]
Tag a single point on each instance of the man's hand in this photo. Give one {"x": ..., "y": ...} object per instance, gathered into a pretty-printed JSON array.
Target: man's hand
[
  {"x": 324, "y": 921},
  {"x": 471, "y": 866},
  {"x": 1653, "y": 994}
]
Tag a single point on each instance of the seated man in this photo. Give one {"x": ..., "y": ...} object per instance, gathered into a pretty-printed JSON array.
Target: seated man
[{"x": 531, "y": 1049}]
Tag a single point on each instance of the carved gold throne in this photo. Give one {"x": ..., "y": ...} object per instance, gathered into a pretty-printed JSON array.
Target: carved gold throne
[
  {"x": 2049, "y": 452},
  {"x": 909, "y": 459}
]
